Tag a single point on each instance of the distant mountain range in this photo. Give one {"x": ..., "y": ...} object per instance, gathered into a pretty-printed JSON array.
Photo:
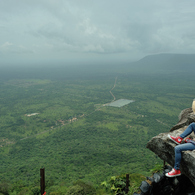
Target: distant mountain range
[
  {"x": 151, "y": 64},
  {"x": 167, "y": 62}
]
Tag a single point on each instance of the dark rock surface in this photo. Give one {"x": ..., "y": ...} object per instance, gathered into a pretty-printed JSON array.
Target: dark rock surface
[
  {"x": 162, "y": 146},
  {"x": 159, "y": 184}
]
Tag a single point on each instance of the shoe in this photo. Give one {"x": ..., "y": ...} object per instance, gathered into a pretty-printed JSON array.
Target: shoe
[
  {"x": 187, "y": 140},
  {"x": 177, "y": 140},
  {"x": 173, "y": 173}
]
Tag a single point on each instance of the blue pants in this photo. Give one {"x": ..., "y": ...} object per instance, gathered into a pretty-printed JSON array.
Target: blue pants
[{"x": 184, "y": 147}]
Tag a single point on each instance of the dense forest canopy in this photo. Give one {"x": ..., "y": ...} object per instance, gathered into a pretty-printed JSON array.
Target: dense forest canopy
[{"x": 72, "y": 134}]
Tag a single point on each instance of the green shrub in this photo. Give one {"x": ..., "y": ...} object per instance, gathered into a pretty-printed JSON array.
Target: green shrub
[
  {"x": 156, "y": 168},
  {"x": 117, "y": 184},
  {"x": 4, "y": 188},
  {"x": 81, "y": 188},
  {"x": 75, "y": 190}
]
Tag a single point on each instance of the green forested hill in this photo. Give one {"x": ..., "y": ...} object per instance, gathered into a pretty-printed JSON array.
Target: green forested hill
[{"x": 72, "y": 134}]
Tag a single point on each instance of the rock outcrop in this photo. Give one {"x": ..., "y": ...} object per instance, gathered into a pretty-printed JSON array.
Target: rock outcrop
[
  {"x": 162, "y": 146},
  {"x": 185, "y": 118},
  {"x": 159, "y": 184}
]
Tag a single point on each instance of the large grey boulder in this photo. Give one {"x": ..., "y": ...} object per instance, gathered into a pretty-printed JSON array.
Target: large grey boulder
[{"x": 162, "y": 146}]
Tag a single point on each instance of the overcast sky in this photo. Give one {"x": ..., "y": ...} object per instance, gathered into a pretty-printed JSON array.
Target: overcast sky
[{"x": 68, "y": 31}]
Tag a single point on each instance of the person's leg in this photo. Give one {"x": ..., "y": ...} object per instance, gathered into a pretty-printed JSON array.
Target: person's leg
[
  {"x": 188, "y": 130},
  {"x": 178, "y": 150}
]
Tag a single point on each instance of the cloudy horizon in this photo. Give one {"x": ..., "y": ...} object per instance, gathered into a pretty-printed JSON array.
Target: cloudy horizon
[{"x": 48, "y": 31}]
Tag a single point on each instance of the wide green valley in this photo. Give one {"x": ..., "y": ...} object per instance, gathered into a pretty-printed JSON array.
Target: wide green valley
[{"x": 59, "y": 118}]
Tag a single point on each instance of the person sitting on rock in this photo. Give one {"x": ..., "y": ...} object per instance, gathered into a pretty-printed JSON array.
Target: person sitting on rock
[{"x": 188, "y": 145}]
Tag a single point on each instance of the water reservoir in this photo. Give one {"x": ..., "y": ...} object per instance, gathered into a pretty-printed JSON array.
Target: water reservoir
[{"x": 120, "y": 103}]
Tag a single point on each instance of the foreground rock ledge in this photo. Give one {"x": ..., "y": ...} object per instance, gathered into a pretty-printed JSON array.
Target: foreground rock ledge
[{"x": 162, "y": 146}]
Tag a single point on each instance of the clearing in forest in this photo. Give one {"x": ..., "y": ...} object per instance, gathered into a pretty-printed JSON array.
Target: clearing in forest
[{"x": 120, "y": 103}]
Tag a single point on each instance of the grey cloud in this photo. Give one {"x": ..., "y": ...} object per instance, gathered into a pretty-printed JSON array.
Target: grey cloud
[
  {"x": 14, "y": 49},
  {"x": 58, "y": 27}
]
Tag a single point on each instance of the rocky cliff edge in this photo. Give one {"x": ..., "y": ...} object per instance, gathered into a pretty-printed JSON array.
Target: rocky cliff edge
[{"x": 162, "y": 146}]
